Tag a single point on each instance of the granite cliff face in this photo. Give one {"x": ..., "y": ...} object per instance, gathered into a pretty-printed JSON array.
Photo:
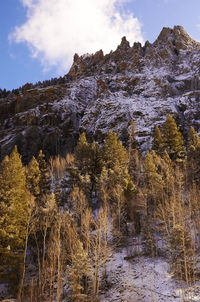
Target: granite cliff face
[{"x": 104, "y": 92}]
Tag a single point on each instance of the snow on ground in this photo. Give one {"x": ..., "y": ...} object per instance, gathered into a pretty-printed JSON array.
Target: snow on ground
[{"x": 143, "y": 279}]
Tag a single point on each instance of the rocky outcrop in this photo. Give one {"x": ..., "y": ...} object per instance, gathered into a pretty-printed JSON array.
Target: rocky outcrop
[
  {"x": 177, "y": 38},
  {"x": 104, "y": 92}
]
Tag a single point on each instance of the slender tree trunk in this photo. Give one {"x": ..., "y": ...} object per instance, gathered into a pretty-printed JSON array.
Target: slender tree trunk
[{"x": 21, "y": 285}]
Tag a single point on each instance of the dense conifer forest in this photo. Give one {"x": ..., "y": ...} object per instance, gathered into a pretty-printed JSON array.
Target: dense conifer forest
[{"x": 61, "y": 218}]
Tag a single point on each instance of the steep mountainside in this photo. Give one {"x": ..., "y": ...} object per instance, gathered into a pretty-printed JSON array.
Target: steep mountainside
[{"x": 100, "y": 93}]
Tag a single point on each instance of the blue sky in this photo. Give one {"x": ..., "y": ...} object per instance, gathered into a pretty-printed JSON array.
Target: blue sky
[{"x": 39, "y": 37}]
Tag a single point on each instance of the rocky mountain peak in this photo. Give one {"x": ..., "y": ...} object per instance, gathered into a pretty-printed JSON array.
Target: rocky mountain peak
[
  {"x": 164, "y": 50},
  {"x": 177, "y": 37},
  {"x": 124, "y": 46}
]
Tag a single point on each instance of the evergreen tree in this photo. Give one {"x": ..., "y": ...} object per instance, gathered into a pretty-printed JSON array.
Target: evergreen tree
[
  {"x": 165, "y": 171},
  {"x": 166, "y": 168},
  {"x": 13, "y": 202},
  {"x": 103, "y": 186},
  {"x": 133, "y": 157},
  {"x": 82, "y": 154},
  {"x": 173, "y": 139},
  {"x": 193, "y": 155},
  {"x": 113, "y": 152},
  {"x": 152, "y": 176},
  {"x": 167, "y": 159},
  {"x": 79, "y": 270},
  {"x": 193, "y": 144},
  {"x": 129, "y": 194},
  {"x": 129, "y": 187},
  {"x": 95, "y": 163},
  {"x": 45, "y": 181},
  {"x": 132, "y": 136},
  {"x": 33, "y": 177},
  {"x": 158, "y": 143}
]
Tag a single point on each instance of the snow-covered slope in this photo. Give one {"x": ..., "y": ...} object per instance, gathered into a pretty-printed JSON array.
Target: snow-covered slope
[
  {"x": 103, "y": 93},
  {"x": 144, "y": 279}
]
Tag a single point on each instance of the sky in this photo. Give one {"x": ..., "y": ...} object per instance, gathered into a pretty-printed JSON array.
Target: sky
[{"x": 38, "y": 38}]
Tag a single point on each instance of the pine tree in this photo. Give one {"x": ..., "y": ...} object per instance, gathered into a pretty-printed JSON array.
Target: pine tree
[
  {"x": 13, "y": 202},
  {"x": 33, "y": 177},
  {"x": 158, "y": 143},
  {"x": 132, "y": 136},
  {"x": 45, "y": 182},
  {"x": 80, "y": 268},
  {"x": 150, "y": 170},
  {"x": 103, "y": 186},
  {"x": 82, "y": 154},
  {"x": 114, "y": 177},
  {"x": 165, "y": 171},
  {"x": 95, "y": 163},
  {"x": 193, "y": 155},
  {"x": 193, "y": 144},
  {"x": 129, "y": 187},
  {"x": 113, "y": 152},
  {"x": 173, "y": 139},
  {"x": 133, "y": 157}
]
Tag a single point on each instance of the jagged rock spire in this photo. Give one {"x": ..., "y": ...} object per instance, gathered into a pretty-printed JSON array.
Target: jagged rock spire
[
  {"x": 177, "y": 37},
  {"x": 125, "y": 45}
]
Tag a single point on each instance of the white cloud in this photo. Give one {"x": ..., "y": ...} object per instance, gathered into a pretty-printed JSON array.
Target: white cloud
[{"x": 56, "y": 29}]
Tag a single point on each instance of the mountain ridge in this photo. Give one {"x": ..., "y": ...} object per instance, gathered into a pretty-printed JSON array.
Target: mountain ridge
[
  {"x": 175, "y": 39},
  {"x": 104, "y": 92}
]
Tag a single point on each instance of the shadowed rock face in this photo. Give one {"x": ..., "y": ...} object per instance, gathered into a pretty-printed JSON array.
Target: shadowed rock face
[{"x": 104, "y": 92}]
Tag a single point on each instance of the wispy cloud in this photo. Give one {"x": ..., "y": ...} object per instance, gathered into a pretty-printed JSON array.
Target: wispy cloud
[{"x": 56, "y": 29}]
